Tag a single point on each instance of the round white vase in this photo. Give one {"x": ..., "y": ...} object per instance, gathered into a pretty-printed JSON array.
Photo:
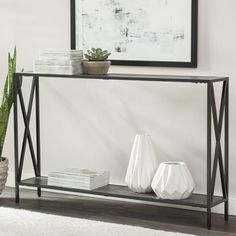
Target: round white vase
[
  {"x": 142, "y": 165},
  {"x": 173, "y": 180}
]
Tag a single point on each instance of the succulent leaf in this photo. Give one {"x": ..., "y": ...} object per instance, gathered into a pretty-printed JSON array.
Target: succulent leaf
[{"x": 97, "y": 54}]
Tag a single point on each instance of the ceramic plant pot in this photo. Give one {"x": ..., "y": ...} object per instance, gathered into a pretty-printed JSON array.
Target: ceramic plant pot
[
  {"x": 96, "y": 67},
  {"x": 3, "y": 173},
  {"x": 173, "y": 180},
  {"x": 142, "y": 165}
]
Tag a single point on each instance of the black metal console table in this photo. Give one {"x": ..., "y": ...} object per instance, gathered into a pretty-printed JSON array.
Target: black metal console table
[{"x": 207, "y": 200}]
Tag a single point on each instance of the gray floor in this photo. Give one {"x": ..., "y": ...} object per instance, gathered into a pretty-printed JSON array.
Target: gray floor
[{"x": 155, "y": 217}]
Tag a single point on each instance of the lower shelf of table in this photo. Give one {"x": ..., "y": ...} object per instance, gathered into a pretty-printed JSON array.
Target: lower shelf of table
[{"x": 118, "y": 191}]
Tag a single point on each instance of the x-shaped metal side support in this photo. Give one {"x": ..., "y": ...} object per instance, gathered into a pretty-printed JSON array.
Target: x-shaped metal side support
[
  {"x": 27, "y": 134},
  {"x": 218, "y": 155},
  {"x": 218, "y": 123}
]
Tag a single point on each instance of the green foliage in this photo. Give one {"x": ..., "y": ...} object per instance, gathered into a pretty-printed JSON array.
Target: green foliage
[
  {"x": 7, "y": 100},
  {"x": 97, "y": 54}
]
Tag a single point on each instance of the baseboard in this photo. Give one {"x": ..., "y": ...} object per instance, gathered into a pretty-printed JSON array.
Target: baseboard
[{"x": 218, "y": 209}]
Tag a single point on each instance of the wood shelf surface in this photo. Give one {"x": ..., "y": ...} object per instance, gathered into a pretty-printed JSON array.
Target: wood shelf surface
[{"x": 119, "y": 191}]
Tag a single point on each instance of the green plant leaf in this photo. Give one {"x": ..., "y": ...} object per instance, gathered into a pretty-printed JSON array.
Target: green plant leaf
[{"x": 7, "y": 99}]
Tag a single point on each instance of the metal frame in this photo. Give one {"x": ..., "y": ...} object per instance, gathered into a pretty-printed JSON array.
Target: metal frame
[
  {"x": 194, "y": 42},
  {"x": 218, "y": 119},
  {"x": 218, "y": 157},
  {"x": 27, "y": 134}
]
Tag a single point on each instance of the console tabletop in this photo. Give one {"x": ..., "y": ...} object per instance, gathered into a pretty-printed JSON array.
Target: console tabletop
[{"x": 135, "y": 77}]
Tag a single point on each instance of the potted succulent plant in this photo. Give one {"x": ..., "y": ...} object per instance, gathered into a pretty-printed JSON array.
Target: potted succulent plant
[
  {"x": 96, "y": 63},
  {"x": 5, "y": 108}
]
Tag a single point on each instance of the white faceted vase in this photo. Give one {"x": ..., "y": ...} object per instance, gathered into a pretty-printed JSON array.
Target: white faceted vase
[
  {"x": 173, "y": 180},
  {"x": 142, "y": 165}
]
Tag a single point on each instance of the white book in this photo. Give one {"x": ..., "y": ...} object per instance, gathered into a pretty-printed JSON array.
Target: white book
[
  {"x": 78, "y": 177},
  {"x": 57, "y": 62},
  {"x": 51, "y": 182},
  {"x": 78, "y": 172},
  {"x": 69, "y": 185},
  {"x": 66, "y": 54},
  {"x": 78, "y": 180},
  {"x": 68, "y": 70}
]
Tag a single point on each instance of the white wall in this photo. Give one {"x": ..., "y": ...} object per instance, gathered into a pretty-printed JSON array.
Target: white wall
[{"x": 92, "y": 124}]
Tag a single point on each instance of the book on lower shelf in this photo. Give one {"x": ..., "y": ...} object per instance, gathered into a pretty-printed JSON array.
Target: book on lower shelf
[{"x": 79, "y": 179}]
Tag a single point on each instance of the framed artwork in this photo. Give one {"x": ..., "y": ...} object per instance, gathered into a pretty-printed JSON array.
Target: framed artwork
[{"x": 140, "y": 32}]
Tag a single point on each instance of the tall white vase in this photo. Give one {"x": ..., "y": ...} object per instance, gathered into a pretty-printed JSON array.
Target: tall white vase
[
  {"x": 142, "y": 165},
  {"x": 173, "y": 180}
]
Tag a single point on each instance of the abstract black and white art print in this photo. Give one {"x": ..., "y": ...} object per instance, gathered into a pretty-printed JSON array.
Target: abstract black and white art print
[{"x": 139, "y": 32}]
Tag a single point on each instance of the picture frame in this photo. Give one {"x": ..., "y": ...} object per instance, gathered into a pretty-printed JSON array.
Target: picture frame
[{"x": 173, "y": 44}]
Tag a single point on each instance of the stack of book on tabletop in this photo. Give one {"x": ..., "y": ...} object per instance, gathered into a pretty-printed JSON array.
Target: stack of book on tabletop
[
  {"x": 59, "y": 62},
  {"x": 78, "y": 179}
]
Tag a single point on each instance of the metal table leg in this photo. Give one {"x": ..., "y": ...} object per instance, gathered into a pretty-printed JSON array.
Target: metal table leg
[
  {"x": 17, "y": 195},
  {"x": 37, "y": 104},
  {"x": 209, "y": 97}
]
